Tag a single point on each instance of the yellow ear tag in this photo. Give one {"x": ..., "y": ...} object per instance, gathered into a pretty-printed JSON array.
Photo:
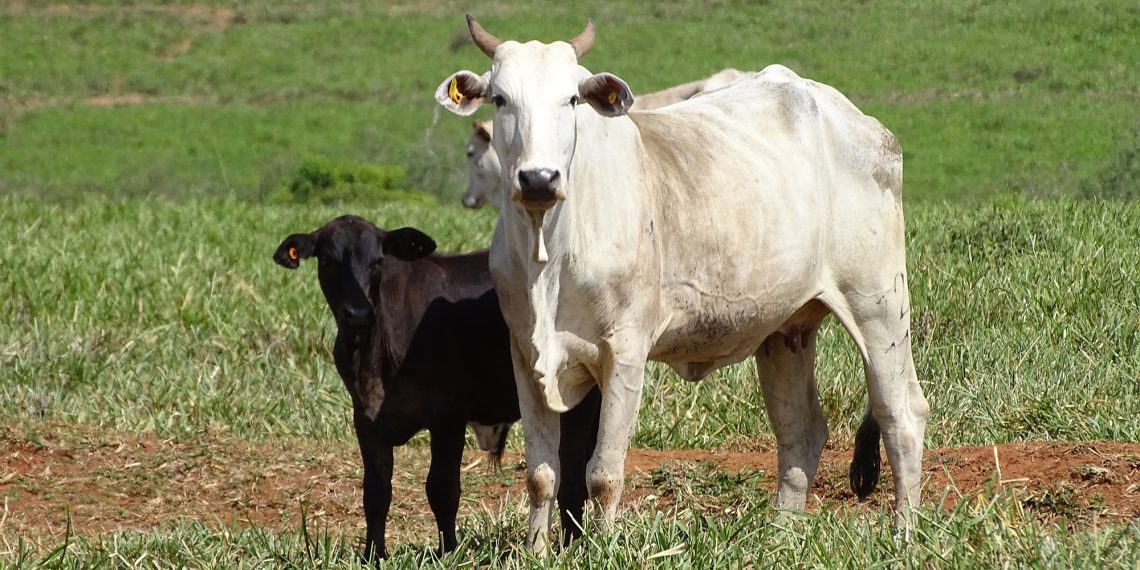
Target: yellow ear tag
[
  {"x": 293, "y": 254},
  {"x": 453, "y": 91},
  {"x": 613, "y": 97}
]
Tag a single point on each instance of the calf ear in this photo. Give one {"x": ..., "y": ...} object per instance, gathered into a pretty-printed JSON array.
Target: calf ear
[
  {"x": 295, "y": 248},
  {"x": 408, "y": 244},
  {"x": 607, "y": 94},
  {"x": 462, "y": 93}
]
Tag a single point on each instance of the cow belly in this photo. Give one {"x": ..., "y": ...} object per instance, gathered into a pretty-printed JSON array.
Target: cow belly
[{"x": 695, "y": 347}]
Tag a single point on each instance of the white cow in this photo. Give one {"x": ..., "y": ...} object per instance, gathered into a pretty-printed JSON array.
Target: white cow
[
  {"x": 715, "y": 229},
  {"x": 483, "y": 169}
]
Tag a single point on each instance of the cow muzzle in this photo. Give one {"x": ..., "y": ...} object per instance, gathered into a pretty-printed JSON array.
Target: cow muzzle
[
  {"x": 539, "y": 188},
  {"x": 473, "y": 202}
]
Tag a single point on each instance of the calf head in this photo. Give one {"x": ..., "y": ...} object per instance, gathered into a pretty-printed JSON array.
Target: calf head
[
  {"x": 350, "y": 252},
  {"x": 535, "y": 88}
]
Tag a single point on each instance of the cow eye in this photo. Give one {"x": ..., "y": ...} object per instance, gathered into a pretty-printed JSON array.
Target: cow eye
[
  {"x": 574, "y": 101},
  {"x": 498, "y": 100}
]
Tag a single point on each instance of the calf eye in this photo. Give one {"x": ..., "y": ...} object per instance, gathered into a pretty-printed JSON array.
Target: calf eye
[
  {"x": 498, "y": 100},
  {"x": 574, "y": 101}
]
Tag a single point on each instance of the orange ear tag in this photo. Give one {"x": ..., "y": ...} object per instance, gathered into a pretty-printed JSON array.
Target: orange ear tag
[
  {"x": 613, "y": 97},
  {"x": 293, "y": 254},
  {"x": 453, "y": 91}
]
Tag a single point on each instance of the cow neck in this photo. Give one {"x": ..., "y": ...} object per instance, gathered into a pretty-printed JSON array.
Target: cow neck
[
  {"x": 599, "y": 219},
  {"x": 604, "y": 187}
]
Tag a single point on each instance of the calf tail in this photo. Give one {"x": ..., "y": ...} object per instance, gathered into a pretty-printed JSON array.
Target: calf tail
[{"x": 865, "y": 462}]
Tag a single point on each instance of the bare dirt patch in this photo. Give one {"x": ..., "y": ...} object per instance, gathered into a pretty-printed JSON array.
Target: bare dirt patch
[
  {"x": 128, "y": 99},
  {"x": 111, "y": 481}
]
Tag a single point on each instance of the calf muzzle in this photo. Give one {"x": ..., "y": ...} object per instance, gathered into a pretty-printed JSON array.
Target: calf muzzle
[{"x": 356, "y": 316}]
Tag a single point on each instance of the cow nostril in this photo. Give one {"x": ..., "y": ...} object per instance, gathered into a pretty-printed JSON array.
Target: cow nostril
[{"x": 538, "y": 183}]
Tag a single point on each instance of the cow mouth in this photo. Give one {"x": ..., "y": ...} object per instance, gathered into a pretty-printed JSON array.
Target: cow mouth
[{"x": 539, "y": 200}]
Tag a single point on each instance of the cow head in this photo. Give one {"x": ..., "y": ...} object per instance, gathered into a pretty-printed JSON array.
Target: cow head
[
  {"x": 349, "y": 251},
  {"x": 483, "y": 170},
  {"x": 536, "y": 89}
]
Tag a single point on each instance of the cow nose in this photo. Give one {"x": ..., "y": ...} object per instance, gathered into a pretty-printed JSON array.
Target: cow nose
[
  {"x": 356, "y": 315},
  {"x": 473, "y": 202},
  {"x": 539, "y": 184}
]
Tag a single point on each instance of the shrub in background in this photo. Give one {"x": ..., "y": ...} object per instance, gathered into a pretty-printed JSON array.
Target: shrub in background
[{"x": 321, "y": 180}]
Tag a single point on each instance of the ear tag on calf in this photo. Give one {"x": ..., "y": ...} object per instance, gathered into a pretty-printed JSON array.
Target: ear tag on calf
[
  {"x": 613, "y": 97},
  {"x": 453, "y": 91},
  {"x": 292, "y": 254}
]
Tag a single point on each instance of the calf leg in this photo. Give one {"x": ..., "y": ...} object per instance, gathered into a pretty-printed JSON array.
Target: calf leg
[
  {"x": 443, "y": 481},
  {"x": 786, "y": 366},
  {"x": 541, "y": 431},
  {"x": 579, "y": 437},
  {"x": 377, "y": 458}
]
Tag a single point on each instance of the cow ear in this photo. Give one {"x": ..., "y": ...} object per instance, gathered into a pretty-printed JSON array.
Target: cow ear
[
  {"x": 607, "y": 94},
  {"x": 295, "y": 248},
  {"x": 462, "y": 93},
  {"x": 408, "y": 244},
  {"x": 483, "y": 130}
]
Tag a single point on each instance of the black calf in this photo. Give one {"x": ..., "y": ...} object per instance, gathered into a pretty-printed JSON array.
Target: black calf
[{"x": 421, "y": 344}]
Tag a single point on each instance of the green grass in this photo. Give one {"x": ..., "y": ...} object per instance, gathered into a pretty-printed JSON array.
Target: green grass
[
  {"x": 171, "y": 317},
  {"x": 992, "y": 531},
  {"x": 1023, "y": 97}
]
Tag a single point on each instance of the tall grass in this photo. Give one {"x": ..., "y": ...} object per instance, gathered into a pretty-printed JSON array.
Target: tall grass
[{"x": 171, "y": 317}]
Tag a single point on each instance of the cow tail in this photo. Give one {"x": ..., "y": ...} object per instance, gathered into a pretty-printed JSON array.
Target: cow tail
[
  {"x": 495, "y": 455},
  {"x": 865, "y": 462}
]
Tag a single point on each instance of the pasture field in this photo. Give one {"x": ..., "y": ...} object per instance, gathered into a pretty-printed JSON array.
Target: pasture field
[
  {"x": 155, "y": 348},
  {"x": 174, "y": 99},
  {"x": 167, "y": 394}
]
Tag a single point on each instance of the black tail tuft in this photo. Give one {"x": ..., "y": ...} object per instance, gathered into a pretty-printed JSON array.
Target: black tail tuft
[
  {"x": 495, "y": 455},
  {"x": 865, "y": 462}
]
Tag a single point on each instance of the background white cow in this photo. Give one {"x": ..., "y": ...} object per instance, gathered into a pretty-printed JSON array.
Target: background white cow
[
  {"x": 483, "y": 170},
  {"x": 722, "y": 227}
]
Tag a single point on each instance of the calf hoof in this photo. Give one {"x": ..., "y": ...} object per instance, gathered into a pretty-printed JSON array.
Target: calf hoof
[{"x": 373, "y": 556}]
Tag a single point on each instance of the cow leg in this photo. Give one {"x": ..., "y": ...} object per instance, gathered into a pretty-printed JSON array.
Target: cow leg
[
  {"x": 622, "y": 381},
  {"x": 579, "y": 437},
  {"x": 443, "y": 481},
  {"x": 786, "y": 366},
  {"x": 880, "y": 326},
  {"x": 377, "y": 459},
  {"x": 541, "y": 431}
]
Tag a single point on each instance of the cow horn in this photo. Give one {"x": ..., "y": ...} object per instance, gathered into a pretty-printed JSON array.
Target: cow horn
[
  {"x": 585, "y": 40},
  {"x": 485, "y": 41}
]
